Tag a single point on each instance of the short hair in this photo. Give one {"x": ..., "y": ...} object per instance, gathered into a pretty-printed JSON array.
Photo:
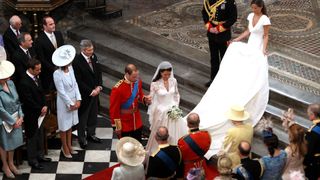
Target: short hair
[
  {"x": 22, "y": 37},
  {"x": 244, "y": 151},
  {"x": 14, "y": 19},
  {"x": 130, "y": 68},
  {"x": 44, "y": 20},
  {"x": 162, "y": 136},
  {"x": 193, "y": 119},
  {"x": 33, "y": 63},
  {"x": 85, "y": 43},
  {"x": 224, "y": 165},
  {"x": 315, "y": 109}
]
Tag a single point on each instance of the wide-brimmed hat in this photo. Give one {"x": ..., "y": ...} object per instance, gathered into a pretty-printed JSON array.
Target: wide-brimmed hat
[
  {"x": 6, "y": 67},
  {"x": 63, "y": 56},
  {"x": 237, "y": 113},
  {"x": 130, "y": 151}
]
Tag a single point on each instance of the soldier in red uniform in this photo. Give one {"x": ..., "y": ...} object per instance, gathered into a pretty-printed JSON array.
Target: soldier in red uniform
[
  {"x": 124, "y": 98},
  {"x": 194, "y": 146}
]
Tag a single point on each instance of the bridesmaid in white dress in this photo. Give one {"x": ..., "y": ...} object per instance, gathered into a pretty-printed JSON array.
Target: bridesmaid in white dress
[
  {"x": 165, "y": 94},
  {"x": 68, "y": 96},
  {"x": 242, "y": 80}
]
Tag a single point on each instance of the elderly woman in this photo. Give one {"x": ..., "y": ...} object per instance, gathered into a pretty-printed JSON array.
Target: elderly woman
[
  {"x": 68, "y": 96},
  {"x": 11, "y": 118}
]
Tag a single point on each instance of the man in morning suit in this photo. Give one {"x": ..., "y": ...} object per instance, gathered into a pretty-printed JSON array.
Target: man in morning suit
[
  {"x": 33, "y": 105},
  {"x": 46, "y": 43},
  {"x": 249, "y": 168},
  {"x": 194, "y": 146},
  {"x": 167, "y": 158},
  {"x": 312, "y": 158},
  {"x": 218, "y": 17},
  {"x": 22, "y": 56},
  {"x": 124, "y": 111},
  {"x": 10, "y": 40},
  {"x": 89, "y": 79}
]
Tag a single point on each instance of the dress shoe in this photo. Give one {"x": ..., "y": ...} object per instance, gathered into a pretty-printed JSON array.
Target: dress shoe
[
  {"x": 208, "y": 83},
  {"x": 83, "y": 145},
  {"x": 68, "y": 156},
  {"x": 15, "y": 170},
  {"x": 94, "y": 139},
  {"x": 43, "y": 159},
  {"x": 73, "y": 152},
  {"x": 37, "y": 166}
]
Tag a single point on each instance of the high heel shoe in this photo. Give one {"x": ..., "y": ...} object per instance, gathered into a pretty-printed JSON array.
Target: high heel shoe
[
  {"x": 74, "y": 152},
  {"x": 15, "y": 171},
  {"x": 69, "y": 156},
  {"x": 9, "y": 174}
]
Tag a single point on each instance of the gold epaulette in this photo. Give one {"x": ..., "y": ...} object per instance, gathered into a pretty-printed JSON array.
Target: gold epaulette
[{"x": 118, "y": 83}]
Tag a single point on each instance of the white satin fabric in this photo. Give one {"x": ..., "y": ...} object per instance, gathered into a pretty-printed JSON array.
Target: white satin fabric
[{"x": 242, "y": 80}]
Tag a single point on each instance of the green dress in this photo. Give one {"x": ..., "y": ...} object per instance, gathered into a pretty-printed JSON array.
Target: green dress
[{"x": 9, "y": 104}]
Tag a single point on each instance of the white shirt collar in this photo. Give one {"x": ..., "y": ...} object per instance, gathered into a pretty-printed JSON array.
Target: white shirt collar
[
  {"x": 24, "y": 50},
  {"x": 14, "y": 30},
  {"x": 30, "y": 75},
  {"x": 86, "y": 57},
  {"x": 48, "y": 34}
]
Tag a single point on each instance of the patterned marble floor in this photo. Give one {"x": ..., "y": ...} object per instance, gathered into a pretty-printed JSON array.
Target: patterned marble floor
[{"x": 95, "y": 158}]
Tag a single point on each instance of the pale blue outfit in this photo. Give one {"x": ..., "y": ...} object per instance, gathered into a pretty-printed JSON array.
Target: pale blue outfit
[
  {"x": 67, "y": 94},
  {"x": 9, "y": 104},
  {"x": 274, "y": 166}
]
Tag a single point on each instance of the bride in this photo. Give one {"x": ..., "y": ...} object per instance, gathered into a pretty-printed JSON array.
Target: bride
[
  {"x": 241, "y": 80},
  {"x": 165, "y": 94}
]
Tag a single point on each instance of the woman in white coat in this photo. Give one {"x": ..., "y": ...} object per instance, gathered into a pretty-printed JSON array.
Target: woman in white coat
[{"x": 68, "y": 96}]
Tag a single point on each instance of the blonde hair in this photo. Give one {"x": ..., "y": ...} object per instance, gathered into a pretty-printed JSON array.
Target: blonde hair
[
  {"x": 224, "y": 165},
  {"x": 298, "y": 144}
]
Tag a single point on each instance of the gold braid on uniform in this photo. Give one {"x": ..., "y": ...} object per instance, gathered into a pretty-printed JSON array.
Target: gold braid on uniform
[{"x": 212, "y": 8}]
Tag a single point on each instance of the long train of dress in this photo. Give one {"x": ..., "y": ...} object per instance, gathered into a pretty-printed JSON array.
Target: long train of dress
[{"x": 241, "y": 80}]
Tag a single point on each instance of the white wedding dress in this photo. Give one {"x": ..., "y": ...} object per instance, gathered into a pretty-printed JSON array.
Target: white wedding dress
[
  {"x": 162, "y": 101},
  {"x": 241, "y": 80}
]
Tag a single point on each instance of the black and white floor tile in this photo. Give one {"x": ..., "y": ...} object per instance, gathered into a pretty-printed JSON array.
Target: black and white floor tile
[{"x": 94, "y": 159}]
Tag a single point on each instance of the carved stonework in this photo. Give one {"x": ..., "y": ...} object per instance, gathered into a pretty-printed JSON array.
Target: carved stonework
[{"x": 35, "y": 5}]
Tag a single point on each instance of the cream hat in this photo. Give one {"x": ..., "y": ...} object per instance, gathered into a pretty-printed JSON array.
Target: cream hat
[
  {"x": 130, "y": 151},
  {"x": 64, "y": 55},
  {"x": 6, "y": 67},
  {"x": 237, "y": 113}
]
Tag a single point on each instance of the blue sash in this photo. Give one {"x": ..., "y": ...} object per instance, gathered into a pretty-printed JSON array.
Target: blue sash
[
  {"x": 167, "y": 160},
  {"x": 134, "y": 93},
  {"x": 194, "y": 146},
  {"x": 316, "y": 129}
]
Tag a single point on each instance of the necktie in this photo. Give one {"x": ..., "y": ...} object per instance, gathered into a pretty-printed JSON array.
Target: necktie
[
  {"x": 28, "y": 54},
  {"x": 36, "y": 80},
  {"x": 53, "y": 40},
  {"x": 17, "y": 33},
  {"x": 90, "y": 63}
]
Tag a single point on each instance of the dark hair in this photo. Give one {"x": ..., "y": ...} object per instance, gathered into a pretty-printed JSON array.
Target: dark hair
[
  {"x": 33, "y": 63},
  {"x": 44, "y": 20},
  {"x": 244, "y": 152},
  {"x": 130, "y": 68},
  {"x": 22, "y": 37},
  {"x": 315, "y": 109},
  {"x": 272, "y": 142},
  {"x": 159, "y": 74},
  {"x": 260, "y": 3}
]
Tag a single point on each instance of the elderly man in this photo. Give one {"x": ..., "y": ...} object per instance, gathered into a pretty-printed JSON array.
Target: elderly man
[
  {"x": 124, "y": 112},
  {"x": 167, "y": 158},
  {"x": 89, "y": 78},
  {"x": 240, "y": 132},
  {"x": 194, "y": 146},
  {"x": 10, "y": 40},
  {"x": 312, "y": 158},
  {"x": 46, "y": 43},
  {"x": 22, "y": 56},
  {"x": 249, "y": 168}
]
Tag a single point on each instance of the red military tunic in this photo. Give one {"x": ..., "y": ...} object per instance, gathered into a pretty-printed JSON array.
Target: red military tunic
[
  {"x": 190, "y": 158},
  {"x": 129, "y": 119}
]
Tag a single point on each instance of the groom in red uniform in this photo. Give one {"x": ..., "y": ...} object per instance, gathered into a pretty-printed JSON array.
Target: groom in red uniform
[
  {"x": 194, "y": 146},
  {"x": 125, "y": 95}
]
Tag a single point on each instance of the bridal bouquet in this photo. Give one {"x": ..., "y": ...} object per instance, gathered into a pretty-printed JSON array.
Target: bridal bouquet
[{"x": 174, "y": 113}]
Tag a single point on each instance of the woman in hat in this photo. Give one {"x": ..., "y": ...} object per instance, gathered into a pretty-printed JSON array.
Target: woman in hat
[
  {"x": 164, "y": 93},
  {"x": 68, "y": 96},
  {"x": 11, "y": 117},
  {"x": 131, "y": 155}
]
